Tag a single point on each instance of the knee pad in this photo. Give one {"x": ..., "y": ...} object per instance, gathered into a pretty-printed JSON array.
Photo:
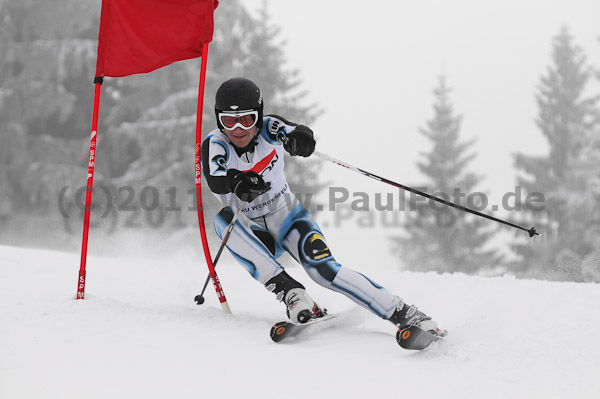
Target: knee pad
[
  {"x": 315, "y": 248},
  {"x": 314, "y": 253}
]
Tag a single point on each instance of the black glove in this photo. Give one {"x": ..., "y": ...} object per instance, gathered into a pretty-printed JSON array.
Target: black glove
[
  {"x": 247, "y": 185},
  {"x": 300, "y": 142}
]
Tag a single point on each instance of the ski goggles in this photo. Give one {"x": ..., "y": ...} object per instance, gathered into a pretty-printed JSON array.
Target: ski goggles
[{"x": 245, "y": 119}]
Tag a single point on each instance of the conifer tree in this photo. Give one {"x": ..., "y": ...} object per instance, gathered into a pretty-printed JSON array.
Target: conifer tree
[
  {"x": 439, "y": 238},
  {"x": 46, "y": 70},
  {"x": 568, "y": 175}
]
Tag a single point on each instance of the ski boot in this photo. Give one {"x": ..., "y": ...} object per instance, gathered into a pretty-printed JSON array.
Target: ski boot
[
  {"x": 406, "y": 316},
  {"x": 416, "y": 330},
  {"x": 300, "y": 307}
]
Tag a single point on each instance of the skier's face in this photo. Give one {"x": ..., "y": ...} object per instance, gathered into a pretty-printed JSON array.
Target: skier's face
[{"x": 240, "y": 137}]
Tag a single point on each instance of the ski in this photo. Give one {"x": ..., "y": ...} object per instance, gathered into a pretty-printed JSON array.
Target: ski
[
  {"x": 416, "y": 339},
  {"x": 286, "y": 329},
  {"x": 412, "y": 337}
]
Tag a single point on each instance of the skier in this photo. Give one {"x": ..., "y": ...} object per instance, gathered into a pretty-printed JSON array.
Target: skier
[{"x": 243, "y": 161}]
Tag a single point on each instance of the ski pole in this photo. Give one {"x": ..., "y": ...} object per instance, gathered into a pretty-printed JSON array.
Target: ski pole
[
  {"x": 530, "y": 231},
  {"x": 200, "y": 298}
]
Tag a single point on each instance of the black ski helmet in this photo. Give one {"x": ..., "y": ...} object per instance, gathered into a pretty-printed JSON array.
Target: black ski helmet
[{"x": 239, "y": 94}]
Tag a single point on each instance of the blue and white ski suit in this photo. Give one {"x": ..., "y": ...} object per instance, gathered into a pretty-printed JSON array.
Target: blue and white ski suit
[{"x": 276, "y": 221}]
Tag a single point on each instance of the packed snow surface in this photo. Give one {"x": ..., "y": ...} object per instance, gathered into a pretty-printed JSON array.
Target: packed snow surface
[{"x": 139, "y": 334}]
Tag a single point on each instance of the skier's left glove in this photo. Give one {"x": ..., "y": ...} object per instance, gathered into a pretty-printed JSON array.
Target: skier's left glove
[{"x": 300, "y": 142}]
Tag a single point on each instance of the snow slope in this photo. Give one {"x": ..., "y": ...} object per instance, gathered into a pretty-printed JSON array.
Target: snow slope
[{"x": 138, "y": 334}]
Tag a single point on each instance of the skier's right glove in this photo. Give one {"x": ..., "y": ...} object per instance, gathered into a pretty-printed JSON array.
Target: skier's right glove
[{"x": 247, "y": 185}]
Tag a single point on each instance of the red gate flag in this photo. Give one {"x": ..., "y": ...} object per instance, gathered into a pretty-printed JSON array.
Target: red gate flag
[{"x": 139, "y": 36}]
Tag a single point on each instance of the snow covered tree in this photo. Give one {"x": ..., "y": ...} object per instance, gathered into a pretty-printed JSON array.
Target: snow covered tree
[
  {"x": 46, "y": 68},
  {"x": 437, "y": 237},
  {"x": 569, "y": 175}
]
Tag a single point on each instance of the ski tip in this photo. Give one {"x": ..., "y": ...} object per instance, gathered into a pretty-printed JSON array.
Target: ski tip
[
  {"x": 279, "y": 330},
  {"x": 403, "y": 334},
  {"x": 416, "y": 339}
]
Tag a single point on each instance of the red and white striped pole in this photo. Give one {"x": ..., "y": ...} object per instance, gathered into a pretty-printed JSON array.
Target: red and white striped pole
[
  {"x": 198, "y": 182},
  {"x": 90, "y": 184}
]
